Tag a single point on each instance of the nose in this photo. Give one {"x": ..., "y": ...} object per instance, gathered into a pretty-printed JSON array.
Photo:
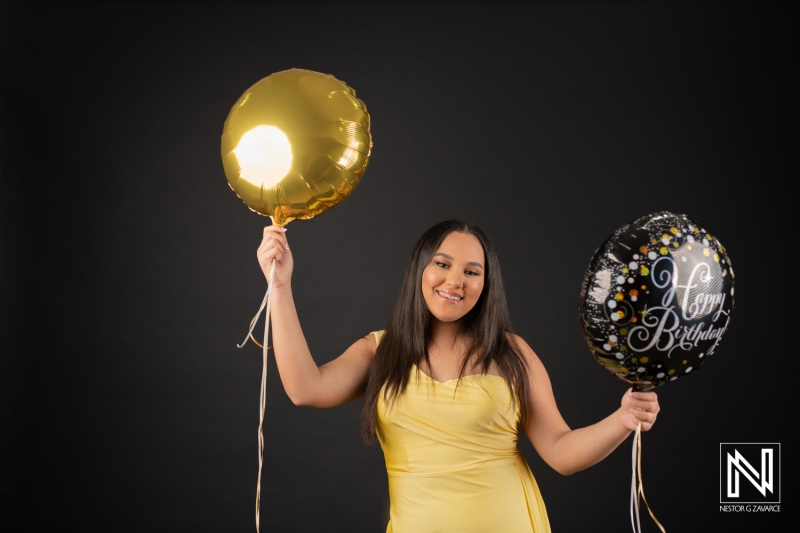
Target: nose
[{"x": 456, "y": 281}]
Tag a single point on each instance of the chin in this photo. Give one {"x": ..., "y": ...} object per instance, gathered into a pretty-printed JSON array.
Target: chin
[{"x": 448, "y": 319}]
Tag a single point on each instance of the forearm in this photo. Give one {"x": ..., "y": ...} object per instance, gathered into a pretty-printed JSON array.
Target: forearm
[
  {"x": 299, "y": 373},
  {"x": 581, "y": 448}
]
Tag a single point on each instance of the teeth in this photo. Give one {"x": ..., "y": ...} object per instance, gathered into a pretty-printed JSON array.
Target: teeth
[{"x": 454, "y": 298}]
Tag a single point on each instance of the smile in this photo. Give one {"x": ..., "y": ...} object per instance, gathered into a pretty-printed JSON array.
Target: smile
[{"x": 449, "y": 296}]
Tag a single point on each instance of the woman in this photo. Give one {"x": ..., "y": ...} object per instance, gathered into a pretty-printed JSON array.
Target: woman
[{"x": 447, "y": 387}]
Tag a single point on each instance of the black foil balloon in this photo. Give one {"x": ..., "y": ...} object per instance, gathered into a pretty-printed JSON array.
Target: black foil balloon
[{"x": 656, "y": 299}]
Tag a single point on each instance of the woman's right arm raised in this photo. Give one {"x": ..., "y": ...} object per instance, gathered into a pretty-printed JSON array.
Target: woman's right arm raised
[{"x": 335, "y": 383}]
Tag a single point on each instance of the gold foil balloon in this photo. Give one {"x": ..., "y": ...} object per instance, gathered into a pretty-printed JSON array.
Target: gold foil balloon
[{"x": 295, "y": 144}]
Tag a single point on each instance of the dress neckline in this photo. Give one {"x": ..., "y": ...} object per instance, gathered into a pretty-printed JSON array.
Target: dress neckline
[{"x": 455, "y": 379}]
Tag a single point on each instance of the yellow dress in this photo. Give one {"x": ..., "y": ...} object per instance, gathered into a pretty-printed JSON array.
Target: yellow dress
[{"x": 452, "y": 459}]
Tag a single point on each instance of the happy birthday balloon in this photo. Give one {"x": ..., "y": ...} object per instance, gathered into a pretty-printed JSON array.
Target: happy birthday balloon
[
  {"x": 295, "y": 144},
  {"x": 656, "y": 299}
]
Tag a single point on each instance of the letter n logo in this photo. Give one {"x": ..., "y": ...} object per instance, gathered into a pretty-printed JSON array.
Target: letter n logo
[{"x": 750, "y": 472}]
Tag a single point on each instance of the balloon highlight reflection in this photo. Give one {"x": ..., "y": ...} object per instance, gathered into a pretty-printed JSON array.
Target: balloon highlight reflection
[{"x": 264, "y": 155}]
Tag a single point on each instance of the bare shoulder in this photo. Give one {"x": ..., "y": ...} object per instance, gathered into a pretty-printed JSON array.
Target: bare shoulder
[
  {"x": 369, "y": 342},
  {"x": 356, "y": 359},
  {"x": 364, "y": 348},
  {"x": 344, "y": 378}
]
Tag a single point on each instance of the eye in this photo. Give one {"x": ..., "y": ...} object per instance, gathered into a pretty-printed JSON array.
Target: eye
[
  {"x": 440, "y": 264},
  {"x": 472, "y": 273}
]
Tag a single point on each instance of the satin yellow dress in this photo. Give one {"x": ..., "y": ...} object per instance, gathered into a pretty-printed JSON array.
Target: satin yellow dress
[{"x": 452, "y": 459}]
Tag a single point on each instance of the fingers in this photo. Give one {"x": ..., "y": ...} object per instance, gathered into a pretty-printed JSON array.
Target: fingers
[
  {"x": 277, "y": 234},
  {"x": 643, "y": 407},
  {"x": 266, "y": 256},
  {"x": 644, "y": 416},
  {"x": 274, "y": 229},
  {"x": 646, "y": 401},
  {"x": 274, "y": 246},
  {"x": 274, "y": 238}
]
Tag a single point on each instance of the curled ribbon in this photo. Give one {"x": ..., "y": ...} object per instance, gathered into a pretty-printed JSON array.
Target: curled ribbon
[
  {"x": 264, "y": 306},
  {"x": 637, "y": 490}
]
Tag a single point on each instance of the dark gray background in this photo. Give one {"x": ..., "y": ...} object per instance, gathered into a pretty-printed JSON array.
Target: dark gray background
[{"x": 128, "y": 269}]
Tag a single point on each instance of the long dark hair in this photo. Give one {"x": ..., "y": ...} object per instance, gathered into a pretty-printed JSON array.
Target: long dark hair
[{"x": 486, "y": 328}]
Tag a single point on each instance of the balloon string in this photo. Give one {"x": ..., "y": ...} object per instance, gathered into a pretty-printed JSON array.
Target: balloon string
[
  {"x": 255, "y": 318},
  {"x": 634, "y": 496},
  {"x": 263, "y": 398},
  {"x": 265, "y": 304},
  {"x": 251, "y": 335},
  {"x": 637, "y": 489},
  {"x": 641, "y": 485}
]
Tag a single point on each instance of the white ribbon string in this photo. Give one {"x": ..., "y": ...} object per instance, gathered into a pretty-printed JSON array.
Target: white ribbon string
[
  {"x": 637, "y": 489},
  {"x": 637, "y": 526},
  {"x": 255, "y": 318},
  {"x": 263, "y": 397}
]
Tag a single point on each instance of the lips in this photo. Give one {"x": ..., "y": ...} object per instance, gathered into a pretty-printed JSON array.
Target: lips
[{"x": 450, "y": 296}]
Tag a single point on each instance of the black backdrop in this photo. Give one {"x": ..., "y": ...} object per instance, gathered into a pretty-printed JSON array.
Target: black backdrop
[{"x": 129, "y": 273}]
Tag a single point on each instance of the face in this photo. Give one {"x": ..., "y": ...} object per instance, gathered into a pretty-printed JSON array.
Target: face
[{"x": 453, "y": 281}]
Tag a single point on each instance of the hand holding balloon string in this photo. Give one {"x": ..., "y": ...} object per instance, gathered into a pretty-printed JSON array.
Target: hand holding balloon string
[
  {"x": 639, "y": 408},
  {"x": 271, "y": 252},
  {"x": 639, "y": 412},
  {"x": 274, "y": 256},
  {"x": 277, "y": 264}
]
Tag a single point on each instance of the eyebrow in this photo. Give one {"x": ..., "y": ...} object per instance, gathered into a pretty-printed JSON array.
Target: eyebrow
[{"x": 450, "y": 257}]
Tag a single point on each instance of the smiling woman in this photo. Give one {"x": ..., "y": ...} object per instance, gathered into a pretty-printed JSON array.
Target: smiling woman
[
  {"x": 448, "y": 388},
  {"x": 453, "y": 281}
]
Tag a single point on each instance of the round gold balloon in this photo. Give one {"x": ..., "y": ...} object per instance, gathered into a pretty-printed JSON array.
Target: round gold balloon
[{"x": 295, "y": 144}]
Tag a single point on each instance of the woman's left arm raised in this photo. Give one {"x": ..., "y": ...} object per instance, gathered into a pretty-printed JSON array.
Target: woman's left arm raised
[{"x": 571, "y": 450}]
